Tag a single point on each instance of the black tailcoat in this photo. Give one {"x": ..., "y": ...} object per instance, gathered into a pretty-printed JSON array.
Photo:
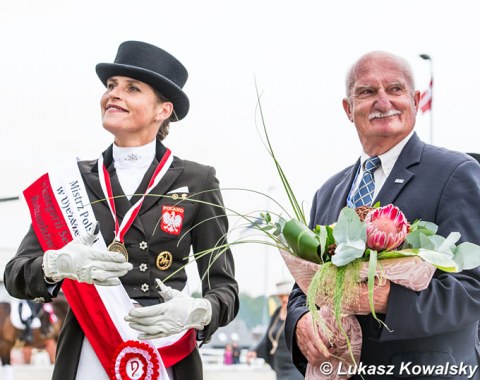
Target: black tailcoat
[{"x": 24, "y": 275}]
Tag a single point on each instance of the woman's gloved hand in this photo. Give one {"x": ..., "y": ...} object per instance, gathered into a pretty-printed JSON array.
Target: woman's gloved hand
[
  {"x": 179, "y": 312},
  {"x": 78, "y": 260}
]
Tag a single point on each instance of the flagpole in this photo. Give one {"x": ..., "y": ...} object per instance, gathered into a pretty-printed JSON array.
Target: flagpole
[
  {"x": 7, "y": 199},
  {"x": 429, "y": 59}
]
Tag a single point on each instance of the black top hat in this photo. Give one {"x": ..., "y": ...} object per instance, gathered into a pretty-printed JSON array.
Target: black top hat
[{"x": 154, "y": 66}]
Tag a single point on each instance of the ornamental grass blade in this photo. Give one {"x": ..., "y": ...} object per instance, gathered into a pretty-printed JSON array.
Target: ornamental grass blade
[
  {"x": 372, "y": 269},
  {"x": 286, "y": 185},
  {"x": 302, "y": 240}
]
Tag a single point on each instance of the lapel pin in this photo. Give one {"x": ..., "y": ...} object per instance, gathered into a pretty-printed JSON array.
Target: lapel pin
[{"x": 399, "y": 180}]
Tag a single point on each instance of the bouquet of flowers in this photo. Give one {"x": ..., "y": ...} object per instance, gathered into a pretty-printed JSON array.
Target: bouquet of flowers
[{"x": 366, "y": 245}]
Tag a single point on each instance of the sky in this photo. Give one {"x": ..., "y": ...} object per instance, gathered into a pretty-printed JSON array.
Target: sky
[{"x": 297, "y": 53}]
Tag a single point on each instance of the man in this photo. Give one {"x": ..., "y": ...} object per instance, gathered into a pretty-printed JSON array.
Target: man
[{"x": 437, "y": 326}]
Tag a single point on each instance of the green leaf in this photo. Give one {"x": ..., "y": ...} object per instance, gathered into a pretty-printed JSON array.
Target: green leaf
[
  {"x": 418, "y": 230},
  {"x": 427, "y": 242},
  {"x": 449, "y": 244},
  {"x": 267, "y": 217},
  {"x": 346, "y": 252},
  {"x": 441, "y": 260},
  {"x": 467, "y": 256},
  {"x": 322, "y": 235},
  {"x": 436, "y": 240},
  {"x": 350, "y": 236},
  {"x": 302, "y": 240},
  {"x": 349, "y": 227},
  {"x": 330, "y": 238},
  {"x": 398, "y": 254},
  {"x": 432, "y": 228}
]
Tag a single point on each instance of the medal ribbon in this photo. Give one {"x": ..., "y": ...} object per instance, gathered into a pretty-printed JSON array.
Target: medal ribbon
[{"x": 104, "y": 177}]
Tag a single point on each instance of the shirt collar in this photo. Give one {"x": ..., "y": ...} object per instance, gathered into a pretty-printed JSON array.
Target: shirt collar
[
  {"x": 390, "y": 157},
  {"x": 134, "y": 157}
]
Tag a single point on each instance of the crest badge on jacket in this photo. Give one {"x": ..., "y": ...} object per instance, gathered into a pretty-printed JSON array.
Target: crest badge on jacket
[{"x": 172, "y": 219}]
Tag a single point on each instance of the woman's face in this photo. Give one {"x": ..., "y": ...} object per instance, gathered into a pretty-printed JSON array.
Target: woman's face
[{"x": 131, "y": 111}]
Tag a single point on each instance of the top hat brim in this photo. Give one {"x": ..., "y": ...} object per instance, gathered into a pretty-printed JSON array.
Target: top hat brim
[{"x": 160, "y": 83}]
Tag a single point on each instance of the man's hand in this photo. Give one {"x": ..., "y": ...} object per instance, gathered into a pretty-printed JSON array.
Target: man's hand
[
  {"x": 312, "y": 345},
  {"x": 179, "y": 312},
  {"x": 78, "y": 260},
  {"x": 361, "y": 305},
  {"x": 381, "y": 292}
]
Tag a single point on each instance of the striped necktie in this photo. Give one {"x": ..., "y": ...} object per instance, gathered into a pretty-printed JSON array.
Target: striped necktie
[{"x": 364, "y": 194}]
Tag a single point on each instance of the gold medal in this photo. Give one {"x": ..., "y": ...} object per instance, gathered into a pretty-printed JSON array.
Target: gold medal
[
  {"x": 118, "y": 247},
  {"x": 164, "y": 260}
]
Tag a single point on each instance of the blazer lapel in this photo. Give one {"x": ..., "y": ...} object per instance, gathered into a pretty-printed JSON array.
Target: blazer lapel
[
  {"x": 340, "y": 193},
  {"x": 401, "y": 175}
]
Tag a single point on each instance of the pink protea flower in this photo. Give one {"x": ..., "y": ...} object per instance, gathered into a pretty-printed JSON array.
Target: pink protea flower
[{"x": 387, "y": 228}]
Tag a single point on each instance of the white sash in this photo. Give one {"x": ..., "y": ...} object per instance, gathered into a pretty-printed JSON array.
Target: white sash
[{"x": 112, "y": 302}]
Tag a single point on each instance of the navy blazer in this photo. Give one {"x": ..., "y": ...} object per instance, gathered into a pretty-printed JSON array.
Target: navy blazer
[{"x": 435, "y": 326}]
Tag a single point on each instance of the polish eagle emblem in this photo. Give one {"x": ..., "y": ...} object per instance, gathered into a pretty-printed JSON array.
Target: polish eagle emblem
[{"x": 172, "y": 219}]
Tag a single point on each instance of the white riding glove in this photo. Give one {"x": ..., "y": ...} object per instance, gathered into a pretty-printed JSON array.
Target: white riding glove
[
  {"x": 179, "y": 312},
  {"x": 78, "y": 260}
]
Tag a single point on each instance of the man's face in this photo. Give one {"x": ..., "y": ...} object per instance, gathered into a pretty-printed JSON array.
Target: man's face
[{"x": 382, "y": 104}]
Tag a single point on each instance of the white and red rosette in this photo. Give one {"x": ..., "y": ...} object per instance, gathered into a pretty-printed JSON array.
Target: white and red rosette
[{"x": 134, "y": 360}]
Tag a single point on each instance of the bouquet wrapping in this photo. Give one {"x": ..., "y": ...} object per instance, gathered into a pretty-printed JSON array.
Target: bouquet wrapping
[{"x": 410, "y": 272}]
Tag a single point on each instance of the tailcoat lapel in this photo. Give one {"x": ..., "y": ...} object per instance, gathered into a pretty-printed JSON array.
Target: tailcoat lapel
[
  {"x": 165, "y": 183},
  {"x": 163, "y": 186}
]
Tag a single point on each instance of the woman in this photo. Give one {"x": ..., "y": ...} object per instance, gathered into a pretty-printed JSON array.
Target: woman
[
  {"x": 273, "y": 347},
  {"x": 151, "y": 208}
]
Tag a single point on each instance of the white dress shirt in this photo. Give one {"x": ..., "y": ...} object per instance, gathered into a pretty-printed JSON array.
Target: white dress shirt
[
  {"x": 387, "y": 159},
  {"x": 131, "y": 164}
]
